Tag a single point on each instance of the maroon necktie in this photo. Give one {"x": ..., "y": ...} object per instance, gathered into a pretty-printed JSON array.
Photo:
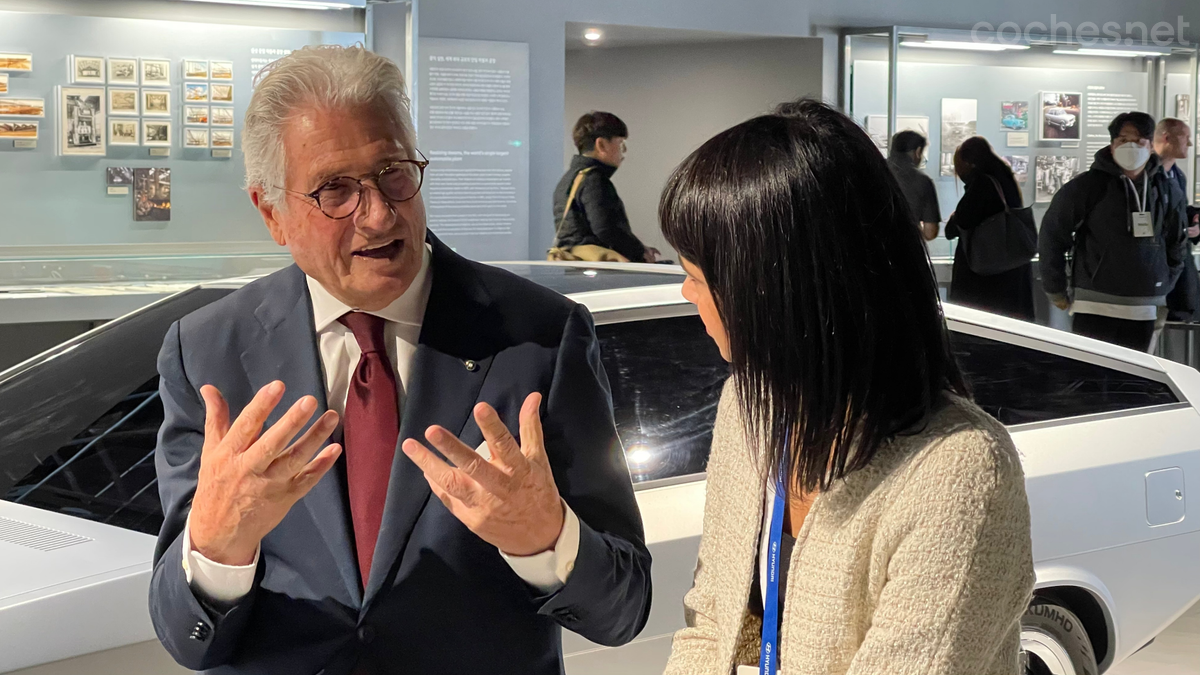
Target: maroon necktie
[{"x": 371, "y": 426}]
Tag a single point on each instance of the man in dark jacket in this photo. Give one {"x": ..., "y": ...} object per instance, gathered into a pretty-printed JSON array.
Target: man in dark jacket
[
  {"x": 1172, "y": 140},
  {"x": 1123, "y": 224},
  {"x": 904, "y": 159},
  {"x": 596, "y": 215}
]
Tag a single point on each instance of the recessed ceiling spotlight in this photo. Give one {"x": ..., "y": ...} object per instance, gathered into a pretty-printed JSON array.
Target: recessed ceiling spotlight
[{"x": 593, "y": 35}]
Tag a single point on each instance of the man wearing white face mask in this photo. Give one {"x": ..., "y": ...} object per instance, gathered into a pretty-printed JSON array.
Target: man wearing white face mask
[{"x": 1123, "y": 222}]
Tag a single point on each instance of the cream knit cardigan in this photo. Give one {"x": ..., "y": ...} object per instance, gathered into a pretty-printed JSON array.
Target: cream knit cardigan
[{"x": 919, "y": 564}]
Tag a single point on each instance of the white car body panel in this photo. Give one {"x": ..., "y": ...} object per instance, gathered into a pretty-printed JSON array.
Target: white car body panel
[{"x": 1086, "y": 479}]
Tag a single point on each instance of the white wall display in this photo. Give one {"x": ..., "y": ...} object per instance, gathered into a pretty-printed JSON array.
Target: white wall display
[
  {"x": 222, "y": 138},
  {"x": 195, "y": 137},
  {"x": 85, "y": 69},
  {"x": 81, "y": 121},
  {"x": 220, "y": 70},
  {"x": 123, "y": 132},
  {"x": 1053, "y": 172},
  {"x": 156, "y": 72},
  {"x": 123, "y": 101},
  {"x": 959, "y": 117},
  {"x": 221, "y": 117},
  {"x": 195, "y": 69},
  {"x": 1060, "y": 118},
  {"x": 156, "y": 133},
  {"x": 156, "y": 103}
]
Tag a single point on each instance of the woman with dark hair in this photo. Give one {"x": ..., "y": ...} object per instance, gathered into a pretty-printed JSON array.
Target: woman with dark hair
[
  {"x": 862, "y": 515},
  {"x": 989, "y": 185}
]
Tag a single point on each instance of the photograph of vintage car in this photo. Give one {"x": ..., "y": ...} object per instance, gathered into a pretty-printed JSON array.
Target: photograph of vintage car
[
  {"x": 1106, "y": 435},
  {"x": 1060, "y": 116}
]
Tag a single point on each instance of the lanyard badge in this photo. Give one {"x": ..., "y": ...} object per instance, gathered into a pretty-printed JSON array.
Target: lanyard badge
[{"x": 768, "y": 659}]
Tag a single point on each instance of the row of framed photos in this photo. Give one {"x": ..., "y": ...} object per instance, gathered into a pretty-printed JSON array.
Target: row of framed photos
[
  {"x": 158, "y": 133},
  {"x": 157, "y": 103},
  {"x": 143, "y": 72},
  {"x": 85, "y": 129}
]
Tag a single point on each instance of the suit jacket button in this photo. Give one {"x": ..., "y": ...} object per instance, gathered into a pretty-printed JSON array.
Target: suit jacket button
[
  {"x": 366, "y": 634},
  {"x": 471, "y": 365}
]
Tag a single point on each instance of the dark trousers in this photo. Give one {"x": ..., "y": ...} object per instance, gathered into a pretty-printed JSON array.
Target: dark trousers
[{"x": 1132, "y": 334}]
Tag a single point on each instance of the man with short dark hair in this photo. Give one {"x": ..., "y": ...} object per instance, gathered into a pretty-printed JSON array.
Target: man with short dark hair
[
  {"x": 589, "y": 216},
  {"x": 904, "y": 159},
  {"x": 1122, "y": 223}
]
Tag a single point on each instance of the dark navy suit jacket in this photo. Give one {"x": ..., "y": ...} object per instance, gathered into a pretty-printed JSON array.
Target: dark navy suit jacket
[{"x": 439, "y": 599}]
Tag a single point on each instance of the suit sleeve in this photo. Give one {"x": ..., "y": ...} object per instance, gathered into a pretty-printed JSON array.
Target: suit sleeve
[
  {"x": 606, "y": 216},
  {"x": 1057, "y": 236},
  {"x": 962, "y": 574},
  {"x": 198, "y": 634},
  {"x": 606, "y": 599}
]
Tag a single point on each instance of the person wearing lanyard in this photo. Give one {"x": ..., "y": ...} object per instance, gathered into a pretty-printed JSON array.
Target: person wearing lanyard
[
  {"x": 845, "y": 429},
  {"x": 1123, "y": 226}
]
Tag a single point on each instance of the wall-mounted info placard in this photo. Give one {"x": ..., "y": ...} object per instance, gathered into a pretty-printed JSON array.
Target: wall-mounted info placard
[
  {"x": 474, "y": 129},
  {"x": 53, "y": 200}
]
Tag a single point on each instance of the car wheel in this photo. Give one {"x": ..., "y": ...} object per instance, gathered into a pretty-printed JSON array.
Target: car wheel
[{"x": 1053, "y": 642}]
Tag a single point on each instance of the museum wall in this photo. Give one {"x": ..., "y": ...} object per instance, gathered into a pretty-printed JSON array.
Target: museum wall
[
  {"x": 540, "y": 23},
  {"x": 674, "y": 97}
]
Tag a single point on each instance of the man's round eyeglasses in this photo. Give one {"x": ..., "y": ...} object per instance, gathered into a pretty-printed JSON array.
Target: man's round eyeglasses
[{"x": 340, "y": 197}]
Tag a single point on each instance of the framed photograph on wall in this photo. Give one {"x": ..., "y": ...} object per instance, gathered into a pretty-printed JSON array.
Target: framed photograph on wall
[
  {"x": 195, "y": 114},
  {"x": 22, "y": 107},
  {"x": 195, "y": 69},
  {"x": 81, "y": 121},
  {"x": 222, "y": 93},
  {"x": 156, "y": 72},
  {"x": 85, "y": 69},
  {"x": 1053, "y": 172},
  {"x": 222, "y": 138},
  {"x": 118, "y": 175},
  {"x": 959, "y": 120},
  {"x": 18, "y": 130},
  {"x": 1014, "y": 115},
  {"x": 1019, "y": 165},
  {"x": 195, "y": 92},
  {"x": 156, "y": 133},
  {"x": 16, "y": 63},
  {"x": 156, "y": 103},
  {"x": 195, "y": 137},
  {"x": 1060, "y": 117},
  {"x": 1183, "y": 106},
  {"x": 221, "y": 117},
  {"x": 3, "y": 83},
  {"x": 123, "y": 101},
  {"x": 220, "y": 70},
  {"x": 122, "y": 71},
  {"x": 152, "y": 194},
  {"x": 123, "y": 132}
]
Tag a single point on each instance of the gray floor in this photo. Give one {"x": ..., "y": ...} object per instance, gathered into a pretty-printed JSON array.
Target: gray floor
[{"x": 1175, "y": 652}]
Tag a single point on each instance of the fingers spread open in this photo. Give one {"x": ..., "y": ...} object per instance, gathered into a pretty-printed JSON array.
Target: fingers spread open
[
  {"x": 453, "y": 481},
  {"x": 249, "y": 423},
  {"x": 312, "y": 472},
  {"x": 301, "y": 452},
  {"x": 274, "y": 441},
  {"x": 503, "y": 446},
  {"x": 468, "y": 461}
]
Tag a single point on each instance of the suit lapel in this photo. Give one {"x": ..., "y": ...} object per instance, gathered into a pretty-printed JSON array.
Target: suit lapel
[
  {"x": 442, "y": 390},
  {"x": 287, "y": 351}
]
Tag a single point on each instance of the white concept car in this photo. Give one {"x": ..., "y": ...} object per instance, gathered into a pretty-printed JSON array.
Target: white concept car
[{"x": 1110, "y": 441}]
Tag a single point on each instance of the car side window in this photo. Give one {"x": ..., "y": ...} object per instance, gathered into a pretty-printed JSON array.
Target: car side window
[
  {"x": 1017, "y": 384},
  {"x": 666, "y": 377}
]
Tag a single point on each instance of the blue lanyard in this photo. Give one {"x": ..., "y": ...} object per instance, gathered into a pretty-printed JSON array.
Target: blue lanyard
[{"x": 768, "y": 659}]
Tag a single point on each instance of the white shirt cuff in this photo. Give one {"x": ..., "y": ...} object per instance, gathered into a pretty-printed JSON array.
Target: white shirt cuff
[
  {"x": 216, "y": 582},
  {"x": 548, "y": 571}
]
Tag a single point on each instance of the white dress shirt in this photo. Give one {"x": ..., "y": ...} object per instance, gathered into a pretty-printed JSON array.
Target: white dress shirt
[{"x": 340, "y": 352}]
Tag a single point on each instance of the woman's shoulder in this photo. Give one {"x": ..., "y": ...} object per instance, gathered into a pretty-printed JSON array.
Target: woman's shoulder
[{"x": 960, "y": 441}]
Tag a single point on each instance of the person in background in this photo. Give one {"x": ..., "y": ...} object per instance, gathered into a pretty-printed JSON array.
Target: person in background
[
  {"x": 1123, "y": 222},
  {"x": 590, "y": 216},
  {"x": 846, "y": 454},
  {"x": 905, "y": 158},
  {"x": 989, "y": 187},
  {"x": 1172, "y": 140}
]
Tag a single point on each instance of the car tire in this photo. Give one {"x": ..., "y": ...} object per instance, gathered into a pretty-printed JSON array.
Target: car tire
[{"x": 1054, "y": 642}]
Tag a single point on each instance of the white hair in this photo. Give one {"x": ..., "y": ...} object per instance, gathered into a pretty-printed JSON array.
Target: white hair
[{"x": 325, "y": 76}]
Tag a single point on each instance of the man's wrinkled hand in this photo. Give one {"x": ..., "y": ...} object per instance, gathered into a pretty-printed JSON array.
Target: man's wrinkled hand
[
  {"x": 249, "y": 478},
  {"x": 510, "y": 500}
]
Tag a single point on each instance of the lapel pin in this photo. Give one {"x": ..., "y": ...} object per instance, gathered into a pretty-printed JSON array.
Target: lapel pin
[{"x": 471, "y": 365}]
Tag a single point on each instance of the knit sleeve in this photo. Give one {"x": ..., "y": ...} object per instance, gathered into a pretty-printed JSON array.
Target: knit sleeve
[{"x": 961, "y": 571}]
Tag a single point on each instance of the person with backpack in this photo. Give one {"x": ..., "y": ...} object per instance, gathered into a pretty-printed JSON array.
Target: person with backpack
[
  {"x": 990, "y": 189},
  {"x": 1113, "y": 240},
  {"x": 590, "y": 216}
]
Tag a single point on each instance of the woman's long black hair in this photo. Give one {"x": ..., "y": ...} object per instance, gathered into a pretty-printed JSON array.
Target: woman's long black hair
[{"x": 824, "y": 286}]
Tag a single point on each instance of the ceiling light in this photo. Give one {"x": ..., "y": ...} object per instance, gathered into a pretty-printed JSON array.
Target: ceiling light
[
  {"x": 969, "y": 46},
  {"x": 1127, "y": 53},
  {"x": 289, "y": 4},
  {"x": 593, "y": 34}
]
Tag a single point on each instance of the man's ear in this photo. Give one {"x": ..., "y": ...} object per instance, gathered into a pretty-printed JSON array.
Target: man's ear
[{"x": 269, "y": 213}]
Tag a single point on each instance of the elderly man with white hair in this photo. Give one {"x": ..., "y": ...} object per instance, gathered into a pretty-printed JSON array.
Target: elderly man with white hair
[{"x": 284, "y": 553}]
